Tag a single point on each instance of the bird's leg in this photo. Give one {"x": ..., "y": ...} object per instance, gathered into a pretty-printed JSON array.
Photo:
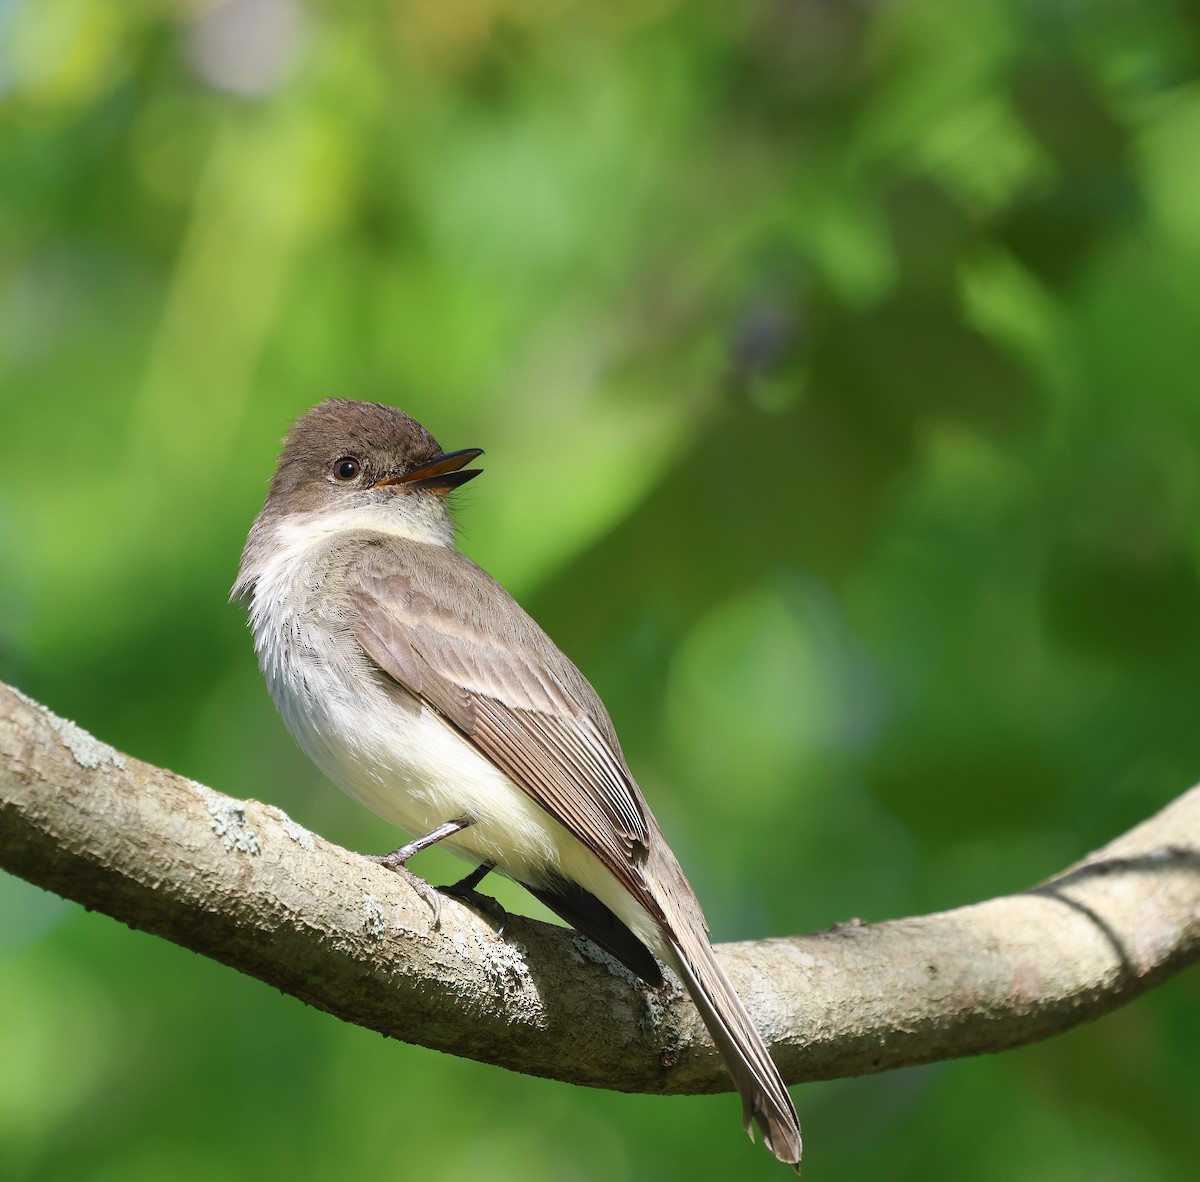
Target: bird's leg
[
  {"x": 470, "y": 882},
  {"x": 397, "y": 858},
  {"x": 396, "y": 861}
]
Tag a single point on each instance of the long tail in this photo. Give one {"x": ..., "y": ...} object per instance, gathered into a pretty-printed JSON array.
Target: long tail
[
  {"x": 664, "y": 919},
  {"x": 765, "y": 1099}
]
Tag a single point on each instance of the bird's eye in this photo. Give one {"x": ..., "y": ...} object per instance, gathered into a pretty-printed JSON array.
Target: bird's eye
[{"x": 347, "y": 468}]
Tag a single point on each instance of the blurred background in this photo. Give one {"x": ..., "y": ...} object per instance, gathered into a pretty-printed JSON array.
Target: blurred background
[{"x": 837, "y": 368}]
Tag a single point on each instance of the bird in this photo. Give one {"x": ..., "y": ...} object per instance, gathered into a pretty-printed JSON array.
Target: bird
[{"x": 419, "y": 686}]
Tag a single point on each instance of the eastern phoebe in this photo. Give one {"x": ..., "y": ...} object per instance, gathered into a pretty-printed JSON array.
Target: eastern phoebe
[{"x": 418, "y": 685}]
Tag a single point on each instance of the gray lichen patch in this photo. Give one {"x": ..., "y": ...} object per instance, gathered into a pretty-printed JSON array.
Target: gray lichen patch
[
  {"x": 505, "y": 959},
  {"x": 85, "y": 749},
  {"x": 374, "y": 921},
  {"x": 229, "y": 821},
  {"x": 505, "y": 966},
  {"x": 301, "y": 836}
]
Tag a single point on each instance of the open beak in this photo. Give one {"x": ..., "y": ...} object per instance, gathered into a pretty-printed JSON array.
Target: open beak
[{"x": 441, "y": 474}]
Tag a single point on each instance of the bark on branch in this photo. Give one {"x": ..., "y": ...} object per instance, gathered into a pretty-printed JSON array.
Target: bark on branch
[{"x": 241, "y": 882}]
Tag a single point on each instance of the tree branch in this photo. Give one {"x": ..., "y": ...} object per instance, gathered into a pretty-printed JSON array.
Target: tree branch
[{"x": 241, "y": 882}]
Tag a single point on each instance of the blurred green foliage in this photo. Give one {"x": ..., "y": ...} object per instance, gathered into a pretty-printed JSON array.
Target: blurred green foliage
[{"x": 837, "y": 368}]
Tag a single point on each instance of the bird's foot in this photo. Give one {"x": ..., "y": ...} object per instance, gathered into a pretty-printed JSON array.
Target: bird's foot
[
  {"x": 425, "y": 890},
  {"x": 396, "y": 859},
  {"x": 465, "y": 891}
]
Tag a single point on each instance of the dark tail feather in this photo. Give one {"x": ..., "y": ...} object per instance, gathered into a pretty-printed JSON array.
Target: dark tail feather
[
  {"x": 585, "y": 912},
  {"x": 765, "y": 1099}
]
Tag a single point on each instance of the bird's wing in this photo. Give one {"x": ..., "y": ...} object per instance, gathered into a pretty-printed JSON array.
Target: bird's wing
[{"x": 452, "y": 636}]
